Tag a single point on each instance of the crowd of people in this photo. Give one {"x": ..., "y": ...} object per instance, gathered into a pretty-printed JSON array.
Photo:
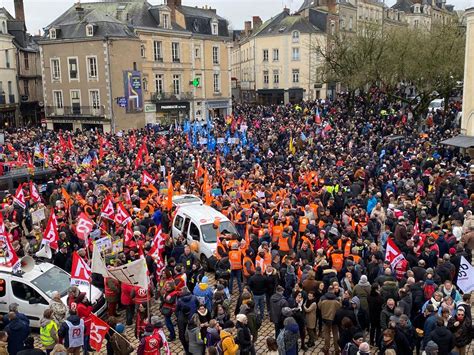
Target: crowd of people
[{"x": 315, "y": 190}]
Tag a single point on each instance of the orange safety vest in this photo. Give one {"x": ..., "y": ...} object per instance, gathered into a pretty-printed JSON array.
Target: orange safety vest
[
  {"x": 337, "y": 261},
  {"x": 347, "y": 247},
  {"x": 277, "y": 233},
  {"x": 304, "y": 221},
  {"x": 235, "y": 258},
  {"x": 356, "y": 258},
  {"x": 252, "y": 267},
  {"x": 263, "y": 262},
  {"x": 306, "y": 240},
  {"x": 283, "y": 244}
]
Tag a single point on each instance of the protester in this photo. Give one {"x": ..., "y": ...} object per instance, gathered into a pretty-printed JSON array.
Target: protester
[
  {"x": 17, "y": 332},
  {"x": 48, "y": 331}
]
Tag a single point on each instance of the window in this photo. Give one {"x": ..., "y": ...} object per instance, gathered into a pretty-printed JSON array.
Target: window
[
  {"x": 276, "y": 77},
  {"x": 350, "y": 23},
  {"x": 217, "y": 82},
  {"x": 26, "y": 89},
  {"x": 276, "y": 55},
  {"x": 143, "y": 51},
  {"x": 296, "y": 76},
  {"x": 176, "y": 84},
  {"x": 197, "y": 52},
  {"x": 194, "y": 231},
  {"x": 296, "y": 54},
  {"x": 265, "y": 55},
  {"x": 178, "y": 223},
  {"x": 175, "y": 51},
  {"x": 265, "y": 77},
  {"x": 76, "y": 102},
  {"x": 3, "y": 289},
  {"x": 58, "y": 99},
  {"x": 94, "y": 99},
  {"x": 73, "y": 69},
  {"x": 92, "y": 67},
  {"x": 214, "y": 28},
  {"x": 4, "y": 27},
  {"x": 295, "y": 36},
  {"x": 342, "y": 24},
  {"x": 159, "y": 83},
  {"x": 26, "y": 293},
  {"x": 166, "y": 21},
  {"x": 26, "y": 61},
  {"x": 52, "y": 33},
  {"x": 89, "y": 30},
  {"x": 215, "y": 55},
  {"x": 10, "y": 93},
  {"x": 7, "y": 58},
  {"x": 55, "y": 69},
  {"x": 157, "y": 53}
]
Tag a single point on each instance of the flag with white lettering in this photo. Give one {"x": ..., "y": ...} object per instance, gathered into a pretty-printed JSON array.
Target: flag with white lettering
[
  {"x": 465, "y": 276},
  {"x": 393, "y": 254},
  {"x": 99, "y": 329},
  {"x": 80, "y": 272},
  {"x": 108, "y": 209},
  {"x": 84, "y": 226},
  {"x": 9, "y": 259},
  {"x": 34, "y": 194},
  {"x": 19, "y": 197},
  {"x": 122, "y": 217},
  {"x": 51, "y": 235},
  {"x": 147, "y": 179}
]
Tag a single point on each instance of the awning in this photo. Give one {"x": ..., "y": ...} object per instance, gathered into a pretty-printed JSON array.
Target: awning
[{"x": 460, "y": 141}]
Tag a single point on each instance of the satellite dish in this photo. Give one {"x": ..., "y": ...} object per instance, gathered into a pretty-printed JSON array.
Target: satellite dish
[
  {"x": 45, "y": 252},
  {"x": 27, "y": 264}
]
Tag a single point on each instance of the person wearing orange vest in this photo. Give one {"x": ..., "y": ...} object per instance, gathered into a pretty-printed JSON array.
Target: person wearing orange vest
[
  {"x": 337, "y": 260},
  {"x": 248, "y": 265},
  {"x": 112, "y": 295},
  {"x": 345, "y": 244},
  {"x": 285, "y": 244},
  {"x": 241, "y": 222},
  {"x": 235, "y": 258}
]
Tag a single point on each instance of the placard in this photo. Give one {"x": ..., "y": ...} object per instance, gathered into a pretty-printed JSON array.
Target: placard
[
  {"x": 104, "y": 243},
  {"x": 216, "y": 192},
  {"x": 37, "y": 216},
  {"x": 117, "y": 246},
  {"x": 202, "y": 141},
  {"x": 220, "y": 140}
]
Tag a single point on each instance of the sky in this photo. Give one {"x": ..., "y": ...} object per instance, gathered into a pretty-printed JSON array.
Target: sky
[{"x": 39, "y": 13}]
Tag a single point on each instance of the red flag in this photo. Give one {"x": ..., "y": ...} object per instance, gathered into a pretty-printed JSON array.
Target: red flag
[
  {"x": 128, "y": 199},
  {"x": 30, "y": 163},
  {"x": 122, "y": 217},
  {"x": 81, "y": 273},
  {"x": 416, "y": 228},
  {"x": 147, "y": 178},
  {"x": 9, "y": 259},
  {"x": 108, "y": 209},
  {"x": 70, "y": 145},
  {"x": 218, "y": 163},
  {"x": 169, "y": 203},
  {"x": 19, "y": 198},
  {"x": 57, "y": 159},
  {"x": 128, "y": 235},
  {"x": 139, "y": 159},
  {"x": 166, "y": 346},
  {"x": 62, "y": 143},
  {"x": 159, "y": 240},
  {"x": 51, "y": 235},
  {"x": 393, "y": 254},
  {"x": 101, "y": 152},
  {"x": 10, "y": 148},
  {"x": 99, "y": 329},
  {"x": 84, "y": 226},
  {"x": 34, "y": 194},
  {"x": 132, "y": 141}
]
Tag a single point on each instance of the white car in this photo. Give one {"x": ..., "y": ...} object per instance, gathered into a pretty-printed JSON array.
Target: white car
[
  {"x": 33, "y": 290},
  {"x": 194, "y": 221},
  {"x": 436, "y": 105}
]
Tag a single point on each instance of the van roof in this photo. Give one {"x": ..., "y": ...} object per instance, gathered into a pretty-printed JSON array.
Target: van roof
[
  {"x": 38, "y": 269},
  {"x": 186, "y": 199},
  {"x": 203, "y": 213}
]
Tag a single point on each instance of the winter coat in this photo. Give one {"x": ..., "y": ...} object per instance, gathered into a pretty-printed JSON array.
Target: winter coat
[
  {"x": 212, "y": 337},
  {"x": 385, "y": 316},
  {"x": 329, "y": 304},
  {"x": 127, "y": 294},
  {"x": 375, "y": 309},
  {"x": 310, "y": 315},
  {"x": 257, "y": 284},
  {"x": 3, "y": 348},
  {"x": 362, "y": 292},
  {"x": 244, "y": 339},
  {"x": 277, "y": 303},
  {"x": 443, "y": 338},
  {"x": 17, "y": 331},
  {"x": 120, "y": 346},
  {"x": 288, "y": 340},
  {"x": 462, "y": 332},
  {"x": 204, "y": 294},
  {"x": 406, "y": 304},
  {"x": 59, "y": 311},
  {"x": 389, "y": 290},
  {"x": 228, "y": 343},
  {"x": 188, "y": 300},
  {"x": 196, "y": 343}
]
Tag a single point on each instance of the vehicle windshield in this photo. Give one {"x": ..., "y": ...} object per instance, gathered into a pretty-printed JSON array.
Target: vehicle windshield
[
  {"x": 52, "y": 280},
  {"x": 209, "y": 234}
]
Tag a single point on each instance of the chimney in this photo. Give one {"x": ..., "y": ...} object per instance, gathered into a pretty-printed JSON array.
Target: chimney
[
  {"x": 287, "y": 10},
  {"x": 257, "y": 21},
  {"x": 79, "y": 10},
  {"x": 247, "y": 27},
  {"x": 19, "y": 10},
  {"x": 173, "y": 4}
]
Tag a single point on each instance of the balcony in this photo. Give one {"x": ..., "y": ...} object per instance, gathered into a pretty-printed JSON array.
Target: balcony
[
  {"x": 167, "y": 96},
  {"x": 72, "y": 112}
]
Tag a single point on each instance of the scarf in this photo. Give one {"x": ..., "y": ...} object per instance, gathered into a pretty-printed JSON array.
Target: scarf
[{"x": 435, "y": 303}]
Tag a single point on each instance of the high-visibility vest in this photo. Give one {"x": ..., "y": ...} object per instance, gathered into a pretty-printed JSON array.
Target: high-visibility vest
[
  {"x": 347, "y": 247},
  {"x": 303, "y": 223},
  {"x": 337, "y": 261},
  {"x": 277, "y": 232},
  {"x": 45, "y": 333},
  {"x": 283, "y": 244},
  {"x": 235, "y": 258},
  {"x": 252, "y": 267},
  {"x": 263, "y": 262}
]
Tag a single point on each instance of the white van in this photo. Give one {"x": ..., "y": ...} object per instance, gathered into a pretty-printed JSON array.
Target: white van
[
  {"x": 436, "y": 105},
  {"x": 195, "y": 223},
  {"x": 32, "y": 291}
]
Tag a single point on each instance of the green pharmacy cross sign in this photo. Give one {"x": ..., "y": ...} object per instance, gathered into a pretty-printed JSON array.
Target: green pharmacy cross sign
[{"x": 196, "y": 82}]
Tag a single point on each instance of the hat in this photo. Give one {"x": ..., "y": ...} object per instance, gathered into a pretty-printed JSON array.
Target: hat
[
  {"x": 358, "y": 335},
  {"x": 228, "y": 325},
  {"x": 431, "y": 346},
  {"x": 120, "y": 328},
  {"x": 242, "y": 318},
  {"x": 364, "y": 347},
  {"x": 154, "y": 320},
  {"x": 205, "y": 280},
  {"x": 286, "y": 312},
  {"x": 452, "y": 251}
]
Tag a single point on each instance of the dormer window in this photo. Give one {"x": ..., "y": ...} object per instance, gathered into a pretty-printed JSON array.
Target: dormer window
[
  {"x": 4, "y": 27},
  {"x": 90, "y": 30},
  {"x": 166, "y": 20},
  {"x": 52, "y": 33},
  {"x": 214, "y": 27},
  {"x": 295, "y": 36}
]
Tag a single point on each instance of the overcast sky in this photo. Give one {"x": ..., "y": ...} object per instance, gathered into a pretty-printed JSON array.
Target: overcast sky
[{"x": 39, "y": 13}]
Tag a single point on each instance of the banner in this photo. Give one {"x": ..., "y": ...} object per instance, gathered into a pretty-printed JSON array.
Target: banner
[
  {"x": 80, "y": 271},
  {"x": 99, "y": 329},
  {"x": 393, "y": 254},
  {"x": 19, "y": 197},
  {"x": 37, "y": 216},
  {"x": 122, "y": 217},
  {"x": 147, "y": 178},
  {"x": 9, "y": 257},
  {"x": 51, "y": 235},
  {"x": 108, "y": 209},
  {"x": 103, "y": 244},
  {"x": 84, "y": 226},
  {"x": 465, "y": 276}
]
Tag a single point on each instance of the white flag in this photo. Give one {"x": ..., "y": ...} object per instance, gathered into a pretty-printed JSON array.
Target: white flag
[
  {"x": 98, "y": 264},
  {"x": 465, "y": 276}
]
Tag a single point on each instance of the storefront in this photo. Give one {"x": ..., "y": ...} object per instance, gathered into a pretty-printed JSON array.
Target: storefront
[
  {"x": 219, "y": 108},
  {"x": 168, "y": 113},
  {"x": 8, "y": 115}
]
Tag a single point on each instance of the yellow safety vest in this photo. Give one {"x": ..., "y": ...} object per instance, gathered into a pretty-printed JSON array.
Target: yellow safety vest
[{"x": 45, "y": 333}]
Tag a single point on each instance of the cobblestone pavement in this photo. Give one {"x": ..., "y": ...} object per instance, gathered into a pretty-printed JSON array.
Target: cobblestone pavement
[{"x": 267, "y": 329}]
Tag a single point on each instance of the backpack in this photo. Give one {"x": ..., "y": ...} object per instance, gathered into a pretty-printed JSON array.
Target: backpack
[
  {"x": 219, "y": 348},
  {"x": 428, "y": 290},
  {"x": 346, "y": 350}
]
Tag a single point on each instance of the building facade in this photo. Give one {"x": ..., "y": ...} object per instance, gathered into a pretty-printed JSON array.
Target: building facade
[
  {"x": 423, "y": 14},
  {"x": 467, "y": 123}
]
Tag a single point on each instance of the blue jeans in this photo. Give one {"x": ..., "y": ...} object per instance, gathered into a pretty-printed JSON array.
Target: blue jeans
[
  {"x": 238, "y": 275},
  {"x": 260, "y": 306},
  {"x": 170, "y": 326}
]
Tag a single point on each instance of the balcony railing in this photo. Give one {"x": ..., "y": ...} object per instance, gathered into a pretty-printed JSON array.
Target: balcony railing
[
  {"x": 75, "y": 111},
  {"x": 167, "y": 96}
]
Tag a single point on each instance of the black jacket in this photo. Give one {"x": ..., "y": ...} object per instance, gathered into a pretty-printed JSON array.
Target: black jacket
[
  {"x": 444, "y": 338},
  {"x": 257, "y": 284},
  {"x": 243, "y": 339}
]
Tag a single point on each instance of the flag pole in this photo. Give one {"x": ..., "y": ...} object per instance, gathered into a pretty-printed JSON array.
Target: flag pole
[{"x": 89, "y": 258}]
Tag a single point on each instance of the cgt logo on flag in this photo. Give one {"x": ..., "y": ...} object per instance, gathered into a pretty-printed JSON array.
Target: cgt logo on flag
[
  {"x": 84, "y": 226},
  {"x": 81, "y": 272},
  {"x": 393, "y": 254},
  {"x": 98, "y": 331}
]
